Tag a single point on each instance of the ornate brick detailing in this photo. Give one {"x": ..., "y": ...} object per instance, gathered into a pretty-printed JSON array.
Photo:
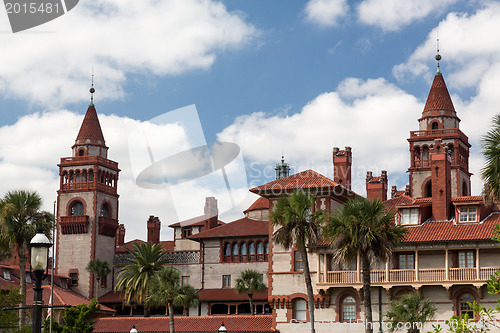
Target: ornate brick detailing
[
  {"x": 107, "y": 226},
  {"x": 342, "y": 160},
  {"x": 74, "y": 224}
]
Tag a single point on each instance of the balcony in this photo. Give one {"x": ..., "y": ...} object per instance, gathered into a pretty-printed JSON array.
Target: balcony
[
  {"x": 74, "y": 224},
  {"x": 413, "y": 277},
  {"x": 438, "y": 133},
  {"x": 107, "y": 226}
]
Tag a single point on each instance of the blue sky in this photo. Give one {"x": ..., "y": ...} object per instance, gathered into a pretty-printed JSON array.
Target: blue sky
[{"x": 298, "y": 77}]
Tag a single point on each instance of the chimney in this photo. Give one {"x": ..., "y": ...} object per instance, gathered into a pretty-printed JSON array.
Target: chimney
[
  {"x": 120, "y": 235},
  {"x": 441, "y": 182},
  {"x": 394, "y": 191},
  {"x": 376, "y": 187},
  {"x": 407, "y": 190},
  {"x": 212, "y": 212},
  {"x": 342, "y": 160},
  {"x": 154, "y": 226}
]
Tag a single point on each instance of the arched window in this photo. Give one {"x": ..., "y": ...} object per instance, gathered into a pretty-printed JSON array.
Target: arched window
[
  {"x": 243, "y": 249},
  {"x": 77, "y": 176},
  {"x": 435, "y": 125},
  {"x": 76, "y": 208},
  {"x": 84, "y": 176},
  {"x": 348, "y": 309},
  {"x": 260, "y": 248},
  {"x": 71, "y": 177},
  {"x": 91, "y": 175},
  {"x": 464, "y": 307},
  {"x": 105, "y": 209},
  {"x": 251, "y": 252},
  {"x": 235, "y": 249},
  {"x": 428, "y": 189},
  {"x": 451, "y": 151},
  {"x": 81, "y": 152},
  {"x": 465, "y": 190},
  {"x": 416, "y": 156},
  {"x": 299, "y": 309},
  {"x": 425, "y": 153}
]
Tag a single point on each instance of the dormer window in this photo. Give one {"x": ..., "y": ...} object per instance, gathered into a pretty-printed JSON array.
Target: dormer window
[
  {"x": 409, "y": 216},
  {"x": 468, "y": 214},
  {"x": 187, "y": 232}
]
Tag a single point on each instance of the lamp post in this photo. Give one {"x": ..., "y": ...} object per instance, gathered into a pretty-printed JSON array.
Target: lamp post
[
  {"x": 40, "y": 245},
  {"x": 222, "y": 329},
  {"x": 133, "y": 330}
]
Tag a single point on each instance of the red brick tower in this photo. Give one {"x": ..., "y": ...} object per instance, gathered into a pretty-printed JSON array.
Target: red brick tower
[
  {"x": 439, "y": 121},
  {"x": 154, "y": 226},
  {"x": 342, "y": 160},
  {"x": 87, "y": 207}
]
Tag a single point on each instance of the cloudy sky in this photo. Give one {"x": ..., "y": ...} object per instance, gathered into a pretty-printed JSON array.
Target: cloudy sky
[{"x": 272, "y": 77}]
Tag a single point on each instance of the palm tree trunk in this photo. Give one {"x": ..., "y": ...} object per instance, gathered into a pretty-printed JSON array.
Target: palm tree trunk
[
  {"x": 250, "y": 299},
  {"x": 310, "y": 294},
  {"x": 171, "y": 317},
  {"x": 21, "y": 252},
  {"x": 367, "y": 297}
]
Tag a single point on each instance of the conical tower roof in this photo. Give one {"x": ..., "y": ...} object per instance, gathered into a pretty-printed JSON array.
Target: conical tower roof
[
  {"x": 439, "y": 101},
  {"x": 90, "y": 131}
]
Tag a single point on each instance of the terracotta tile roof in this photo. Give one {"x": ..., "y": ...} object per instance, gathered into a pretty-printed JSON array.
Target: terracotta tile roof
[
  {"x": 195, "y": 221},
  {"x": 393, "y": 203},
  {"x": 90, "y": 131},
  {"x": 166, "y": 245},
  {"x": 259, "y": 204},
  {"x": 228, "y": 295},
  {"x": 439, "y": 98},
  {"x": 450, "y": 231},
  {"x": 112, "y": 297},
  {"x": 239, "y": 228},
  {"x": 476, "y": 198},
  {"x": 258, "y": 323},
  {"x": 308, "y": 179}
]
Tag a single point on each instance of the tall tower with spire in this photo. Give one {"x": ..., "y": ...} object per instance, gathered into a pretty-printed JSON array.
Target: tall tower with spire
[
  {"x": 87, "y": 207},
  {"x": 282, "y": 169},
  {"x": 438, "y": 133}
]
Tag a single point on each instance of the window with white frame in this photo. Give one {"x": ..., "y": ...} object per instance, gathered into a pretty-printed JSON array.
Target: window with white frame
[
  {"x": 468, "y": 214},
  {"x": 348, "y": 309},
  {"x": 409, "y": 216},
  {"x": 300, "y": 309}
]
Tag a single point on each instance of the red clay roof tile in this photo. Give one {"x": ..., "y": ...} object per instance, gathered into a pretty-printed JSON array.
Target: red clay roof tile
[
  {"x": 439, "y": 98},
  {"x": 239, "y": 228},
  {"x": 258, "y": 323},
  {"x": 228, "y": 295},
  {"x": 259, "y": 204},
  {"x": 90, "y": 131}
]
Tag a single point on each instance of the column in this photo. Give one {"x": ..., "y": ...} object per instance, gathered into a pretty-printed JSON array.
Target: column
[
  {"x": 446, "y": 264},
  {"x": 477, "y": 264},
  {"x": 387, "y": 271},
  {"x": 318, "y": 277},
  {"x": 416, "y": 265},
  {"x": 358, "y": 268}
]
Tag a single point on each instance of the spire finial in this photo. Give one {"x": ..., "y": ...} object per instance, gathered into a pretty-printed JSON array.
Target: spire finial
[
  {"x": 92, "y": 90},
  {"x": 438, "y": 56}
]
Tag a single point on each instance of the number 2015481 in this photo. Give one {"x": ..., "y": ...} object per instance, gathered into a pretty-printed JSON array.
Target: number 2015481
[{"x": 32, "y": 8}]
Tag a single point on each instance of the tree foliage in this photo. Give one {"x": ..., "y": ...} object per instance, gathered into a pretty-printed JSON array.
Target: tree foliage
[
  {"x": 411, "y": 310},
  {"x": 9, "y": 298},
  {"x": 490, "y": 173},
  {"x": 250, "y": 282},
  {"x": 363, "y": 227},
  {"x": 100, "y": 269},
  {"x": 19, "y": 216},
  {"x": 298, "y": 224},
  {"x": 76, "y": 319}
]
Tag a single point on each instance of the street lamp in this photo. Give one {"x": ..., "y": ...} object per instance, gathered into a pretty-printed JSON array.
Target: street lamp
[
  {"x": 133, "y": 330},
  {"x": 40, "y": 245},
  {"x": 222, "y": 328}
]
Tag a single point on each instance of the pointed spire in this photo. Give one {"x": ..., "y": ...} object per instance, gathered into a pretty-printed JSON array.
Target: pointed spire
[
  {"x": 92, "y": 90},
  {"x": 90, "y": 131},
  {"x": 438, "y": 57}
]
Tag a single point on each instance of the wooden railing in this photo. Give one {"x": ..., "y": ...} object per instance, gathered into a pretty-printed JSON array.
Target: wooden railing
[{"x": 425, "y": 275}]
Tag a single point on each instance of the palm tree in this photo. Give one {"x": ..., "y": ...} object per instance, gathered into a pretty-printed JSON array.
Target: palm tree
[
  {"x": 250, "y": 282},
  {"x": 20, "y": 215},
  {"x": 100, "y": 269},
  {"x": 410, "y": 308},
  {"x": 166, "y": 291},
  {"x": 490, "y": 173},
  {"x": 189, "y": 297},
  {"x": 298, "y": 225},
  {"x": 136, "y": 276},
  {"x": 363, "y": 227}
]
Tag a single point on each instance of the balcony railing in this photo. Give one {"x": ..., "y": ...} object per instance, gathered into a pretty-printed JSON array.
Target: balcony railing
[{"x": 426, "y": 275}]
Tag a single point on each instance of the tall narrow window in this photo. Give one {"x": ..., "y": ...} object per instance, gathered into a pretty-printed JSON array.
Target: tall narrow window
[
  {"x": 348, "y": 309},
  {"x": 251, "y": 252},
  {"x": 300, "y": 309},
  {"x": 185, "y": 281},
  {"x": 464, "y": 306},
  {"x": 298, "y": 262},
  {"x": 409, "y": 216},
  {"x": 105, "y": 210},
  {"x": 226, "y": 281},
  {"x": 466, "y": 259},
  {"x": 406, "y": 261}
]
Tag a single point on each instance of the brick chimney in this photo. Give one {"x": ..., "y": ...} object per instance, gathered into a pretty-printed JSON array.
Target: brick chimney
[
  {"x": 212, "y": 212},
  {"x": 154, "y": 226},
  {"x": 376, "y": 187},
  {"x": 394, "y": 191},
  {"x": 441, "y": 182},
  {"x": 342, "y": 160},
  {"x": 120, "y": 235}
]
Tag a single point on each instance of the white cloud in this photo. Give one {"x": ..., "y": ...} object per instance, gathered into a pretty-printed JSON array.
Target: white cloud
[
  {"x": 326, "y": 13},
  {"x": 116, "y": 38},
  {"x": 32, "y": 147},
  {"x": 360, "y": 114},
  {"x": 391, "y": 15}
]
